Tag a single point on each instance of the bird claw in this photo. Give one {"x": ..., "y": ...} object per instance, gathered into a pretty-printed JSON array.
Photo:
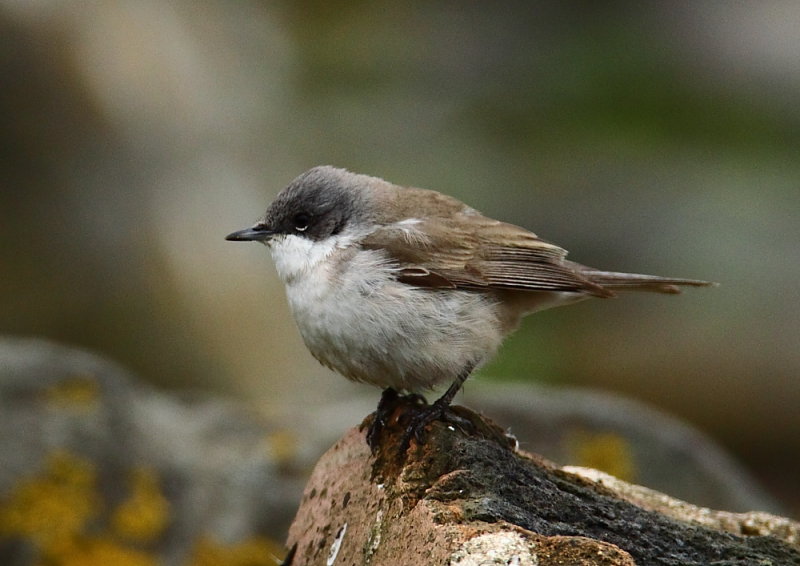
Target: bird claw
[
  {"x": 417, "y": 415},
  {"x": 417, "y": 422},
  {"x": 390, "y": 399},
  {"x": 423, "y": 416}
]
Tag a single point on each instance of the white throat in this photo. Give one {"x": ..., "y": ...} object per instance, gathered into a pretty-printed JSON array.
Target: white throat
[{"x": 296, "y": 256}]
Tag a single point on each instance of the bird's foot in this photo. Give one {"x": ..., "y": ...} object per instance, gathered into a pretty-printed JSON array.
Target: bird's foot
[
  {"x": 390, "y": 400},
  {"x": 422, "y": 416}
]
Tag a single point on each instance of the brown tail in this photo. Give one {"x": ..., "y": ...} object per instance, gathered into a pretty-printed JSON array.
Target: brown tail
[{"x": 614, "y": 281}]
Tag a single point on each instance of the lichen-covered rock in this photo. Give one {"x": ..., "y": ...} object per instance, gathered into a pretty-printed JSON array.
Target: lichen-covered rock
[
  {"x": 473, "y": 498},
  {"x": 98, "y": 469}
]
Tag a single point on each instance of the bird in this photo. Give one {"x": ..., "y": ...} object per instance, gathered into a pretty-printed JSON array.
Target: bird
[{"x": 407, "y": 288}]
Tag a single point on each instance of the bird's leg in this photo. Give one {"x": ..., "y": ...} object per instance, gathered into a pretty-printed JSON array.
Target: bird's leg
[
  {"x": 435, "y": 411},
  {"x": 445, "y": 400}
]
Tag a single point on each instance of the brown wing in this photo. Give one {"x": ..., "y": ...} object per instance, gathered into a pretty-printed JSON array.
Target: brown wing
[{"x": 469, "y": 251}]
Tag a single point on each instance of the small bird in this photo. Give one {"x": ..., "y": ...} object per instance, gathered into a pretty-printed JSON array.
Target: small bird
[{"x": 407, "y": 288}]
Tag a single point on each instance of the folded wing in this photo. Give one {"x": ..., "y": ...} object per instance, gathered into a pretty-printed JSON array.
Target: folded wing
[{"x": 470, "y": 251}]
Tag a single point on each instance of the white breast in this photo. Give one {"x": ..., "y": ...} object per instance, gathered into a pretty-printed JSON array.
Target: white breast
[{"x": 358, "y": 320}]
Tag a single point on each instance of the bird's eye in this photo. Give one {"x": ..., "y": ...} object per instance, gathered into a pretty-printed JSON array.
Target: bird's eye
[{"x": 301, "y": 221}]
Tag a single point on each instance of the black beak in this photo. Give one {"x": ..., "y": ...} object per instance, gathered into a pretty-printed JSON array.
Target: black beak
[{"x": 257, "y": 233}]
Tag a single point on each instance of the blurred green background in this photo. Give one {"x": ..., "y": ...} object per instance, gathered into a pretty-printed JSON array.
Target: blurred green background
[{"x": 659, "y": 137}]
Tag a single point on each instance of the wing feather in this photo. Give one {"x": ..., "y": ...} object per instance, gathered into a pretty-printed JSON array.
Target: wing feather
[{"x": 469, "y": 251}]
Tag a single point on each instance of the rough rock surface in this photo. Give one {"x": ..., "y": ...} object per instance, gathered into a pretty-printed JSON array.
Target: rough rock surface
[
  {"x": 629, "y": 439},
  {"x": 467, "y": 496}
]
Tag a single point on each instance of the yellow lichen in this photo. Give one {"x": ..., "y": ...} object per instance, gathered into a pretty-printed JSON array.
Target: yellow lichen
[
  {"x": 59, "y": 510},
  {"x": 608, "y": 452},
  {"x": 54, "y": 506},
  {"x": 144, "y": 515},
  {"x": 80, "y": 391},
  {"x": 102, "y": 552},
  {"x": 283, "y": 446},
  {"x": 255, "y": 551}
]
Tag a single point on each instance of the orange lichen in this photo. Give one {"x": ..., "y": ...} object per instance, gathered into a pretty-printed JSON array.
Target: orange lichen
[
  {"x": 255, "y": 551},
  {"x": 608, "y": 452},
  {"x": 145, "y": 514}
]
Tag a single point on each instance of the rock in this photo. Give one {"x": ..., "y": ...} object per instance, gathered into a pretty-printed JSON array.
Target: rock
[
  {"x": 468, "y": 496},
  {"x": 585, "y": 427},
  {"x": 624, "y": 437},
  {"x": 96, "y": 468}
]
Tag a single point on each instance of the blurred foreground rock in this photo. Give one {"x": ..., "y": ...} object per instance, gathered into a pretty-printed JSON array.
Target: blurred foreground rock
[
  {"x": 469, "y": 498},
  {"x": 97, "y": 469}
]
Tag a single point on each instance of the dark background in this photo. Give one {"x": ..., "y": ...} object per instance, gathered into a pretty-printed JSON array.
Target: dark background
[{"x": 658, "y": 137}]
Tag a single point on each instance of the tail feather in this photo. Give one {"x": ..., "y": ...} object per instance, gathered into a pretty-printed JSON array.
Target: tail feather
[{"x": 615, "y": 281}]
